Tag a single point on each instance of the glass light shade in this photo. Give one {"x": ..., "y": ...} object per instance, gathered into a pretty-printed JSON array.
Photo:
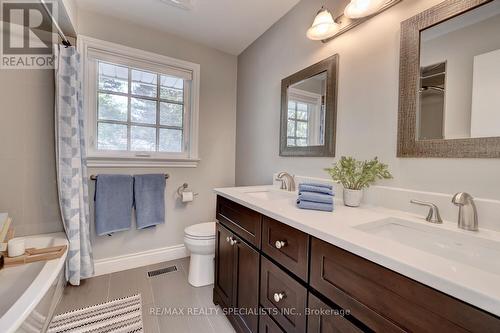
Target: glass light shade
[
  {"x": 323, "y": 26},
  {"x": 362, "y": 8}
]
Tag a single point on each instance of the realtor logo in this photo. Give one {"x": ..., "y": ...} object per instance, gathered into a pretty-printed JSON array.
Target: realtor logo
[{"x": 27, "y": 35}]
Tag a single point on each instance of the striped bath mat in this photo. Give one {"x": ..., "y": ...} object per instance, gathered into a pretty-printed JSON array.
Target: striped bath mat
[{"x": 122, "y": 315}]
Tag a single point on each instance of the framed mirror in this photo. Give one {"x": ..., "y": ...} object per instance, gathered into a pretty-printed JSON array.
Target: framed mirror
[
  {"x": 450, "y": 81},
  {"x": 309, "y": 111}
]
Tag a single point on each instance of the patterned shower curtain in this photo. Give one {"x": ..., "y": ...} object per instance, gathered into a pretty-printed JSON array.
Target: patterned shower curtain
[{"x": 71, "y": 168}]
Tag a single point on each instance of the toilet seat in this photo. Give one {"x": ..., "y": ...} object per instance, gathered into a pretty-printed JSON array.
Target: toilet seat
[
  {"x": 200, "y": 231},
  {"x": 199, "y": 238}
]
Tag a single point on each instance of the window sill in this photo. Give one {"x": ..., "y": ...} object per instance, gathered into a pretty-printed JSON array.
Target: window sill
[{"x": 106, "y": 162}]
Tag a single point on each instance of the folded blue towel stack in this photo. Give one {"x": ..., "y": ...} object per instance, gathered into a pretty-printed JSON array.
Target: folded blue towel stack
[{"x": 315, "y": 197}]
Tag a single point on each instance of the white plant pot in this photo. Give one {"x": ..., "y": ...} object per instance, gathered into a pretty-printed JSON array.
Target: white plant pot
[{"x": 352, "y": 198}]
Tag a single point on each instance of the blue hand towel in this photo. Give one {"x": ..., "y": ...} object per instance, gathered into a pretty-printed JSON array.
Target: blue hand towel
[
  {"x": 316, "y": 197},
  {"x": 318, "y": 185},
  {"x": 302, "y": 204},
  {"x": 149, "y": 194},
  {"x": 325, "y": 189},
  {"x": 113, "y": 203}
]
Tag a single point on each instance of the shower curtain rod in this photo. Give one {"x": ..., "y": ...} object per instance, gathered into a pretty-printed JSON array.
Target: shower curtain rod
[{"x": 65, "y": 40}]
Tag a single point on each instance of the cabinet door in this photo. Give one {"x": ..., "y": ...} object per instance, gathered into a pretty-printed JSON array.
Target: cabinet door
[
  {"x": 284, "y": 298},
  {"x": 386, "y": 301},
  {"x": 323, "y": 319},
  {"x": 224, "y": 267},
  {"x": 246, "y": 285},
  {"x": 267, "y": 325},
  {"x": 246, "y": 223},
  {"x": 286, "y": 245}
]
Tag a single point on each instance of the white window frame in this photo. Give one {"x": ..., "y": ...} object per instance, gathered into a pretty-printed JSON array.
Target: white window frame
[
  {"x": 308, "y": 98},
  {"x": 91, "y": 50}
]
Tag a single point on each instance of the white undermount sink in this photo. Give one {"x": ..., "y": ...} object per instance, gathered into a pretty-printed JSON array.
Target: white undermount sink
[
  {"x": 466, "y": 249},
  {"x": 270, "y": 194}
]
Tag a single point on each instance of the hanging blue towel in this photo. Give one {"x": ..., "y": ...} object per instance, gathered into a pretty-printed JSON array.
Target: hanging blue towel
[
  {"x": 149, "y": 195},
  {"x": 113, "y": 203},
  {"x": 316, "y": 197},
  {"x": 316, "y": 188},
  {"x": 302, "y": 204}
]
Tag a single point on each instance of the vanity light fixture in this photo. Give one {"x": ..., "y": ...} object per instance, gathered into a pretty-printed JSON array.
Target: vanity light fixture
[
  {"x": 363, "y": 8},
  {"x": 327, "y": 26},
  {"x": 323, "y": 26}
]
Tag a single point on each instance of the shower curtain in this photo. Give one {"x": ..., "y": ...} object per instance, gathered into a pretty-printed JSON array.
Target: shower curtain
[{"x": 70, "y": 160}]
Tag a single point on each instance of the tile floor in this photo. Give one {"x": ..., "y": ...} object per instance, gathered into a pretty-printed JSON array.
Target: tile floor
[{"x": 162, "y": 293}]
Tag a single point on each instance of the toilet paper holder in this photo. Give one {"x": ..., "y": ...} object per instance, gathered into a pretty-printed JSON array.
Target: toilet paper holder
[{"x": 184, "y": 188}]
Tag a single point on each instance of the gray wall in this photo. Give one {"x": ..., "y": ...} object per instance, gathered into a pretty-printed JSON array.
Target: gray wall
[
  {"x": 28, "y": 190},
  {"x": 217, "y": 134},
  {"x": 367, "y": 104}
]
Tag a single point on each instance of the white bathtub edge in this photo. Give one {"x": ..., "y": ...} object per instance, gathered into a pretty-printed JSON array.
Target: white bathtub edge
[{"x": 20, "y": 310}]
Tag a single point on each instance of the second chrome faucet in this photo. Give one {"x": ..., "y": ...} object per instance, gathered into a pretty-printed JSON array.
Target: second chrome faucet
[
  {"x": 467, "y": 214},
  {"x": 433, "y": 216}
]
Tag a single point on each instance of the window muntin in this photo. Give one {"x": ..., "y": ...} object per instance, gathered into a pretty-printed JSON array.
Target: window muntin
[
  {"x": 298, "y": 124},
  {"x": 139, "y": 110}
]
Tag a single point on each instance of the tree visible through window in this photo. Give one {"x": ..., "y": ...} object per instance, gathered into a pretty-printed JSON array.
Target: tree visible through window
[{"x": 139, "y": 110}]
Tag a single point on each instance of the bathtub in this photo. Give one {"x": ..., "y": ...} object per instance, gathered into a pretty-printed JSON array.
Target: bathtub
[{"x": 29, "y": 293}]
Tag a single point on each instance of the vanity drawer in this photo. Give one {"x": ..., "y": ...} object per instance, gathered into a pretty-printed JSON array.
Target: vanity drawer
[
  {"x": 291, "y": 297},
  {"x": 286, "y": 245},
  {"x": 268, "y": 325},
  {"x": 379, "y": 297},
  {"x": 323, "y": 319},
  {"x": 243, "y": 221}
]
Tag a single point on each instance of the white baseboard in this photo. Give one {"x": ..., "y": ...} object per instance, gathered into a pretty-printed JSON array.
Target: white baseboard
[{"x": 134, "y": 260}]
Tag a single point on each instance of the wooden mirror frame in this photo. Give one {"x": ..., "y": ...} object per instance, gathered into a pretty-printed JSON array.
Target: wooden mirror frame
[
  {"x": 408, "y": 145},
  {"x": 330, "y": 66}
]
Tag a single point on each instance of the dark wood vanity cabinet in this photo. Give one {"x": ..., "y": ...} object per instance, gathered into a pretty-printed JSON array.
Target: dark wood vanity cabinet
[
  {"x": 236, "y": 284},
  {"x": 322, "y": 318},
  {"x": 303, "y": 284}
]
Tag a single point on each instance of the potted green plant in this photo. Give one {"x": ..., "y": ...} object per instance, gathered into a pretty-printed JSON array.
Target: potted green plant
[{"x": 357, "y": 175}]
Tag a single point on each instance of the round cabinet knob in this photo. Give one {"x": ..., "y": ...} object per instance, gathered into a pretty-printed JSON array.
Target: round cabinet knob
[
  {"x": 228, "y": 239},
  {"x": 279, "y": 296},
  {"x": 280, "y": 244},
  {"x": 234, "y": 241}
]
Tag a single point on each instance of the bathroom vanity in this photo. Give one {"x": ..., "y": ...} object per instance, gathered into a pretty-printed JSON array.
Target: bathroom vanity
[{"x": 281, "y": 269}]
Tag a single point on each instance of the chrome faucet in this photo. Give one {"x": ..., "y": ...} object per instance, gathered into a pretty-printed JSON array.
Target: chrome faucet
[
  {"x": 433, "y": 216},
  {"x": 287, "y": 181},
  {"x": 467, "y": 213}
]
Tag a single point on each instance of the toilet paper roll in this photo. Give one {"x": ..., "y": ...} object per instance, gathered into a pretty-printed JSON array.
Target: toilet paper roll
[{"x": 187, "y": 196}]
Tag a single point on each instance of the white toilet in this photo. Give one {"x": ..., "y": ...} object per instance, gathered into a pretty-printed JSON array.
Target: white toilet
[{"x": 200, "y": 241}]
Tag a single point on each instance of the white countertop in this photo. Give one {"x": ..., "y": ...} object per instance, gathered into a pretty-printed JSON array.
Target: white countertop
[{"x": 470, "y": 284}]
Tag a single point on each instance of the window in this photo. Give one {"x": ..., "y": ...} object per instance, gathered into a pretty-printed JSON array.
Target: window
[
  {"x": 138, "y": 110},
  {"x": 141, "y": 108},
  {"x": 298, "y": 123},
  {"x": 306, "y": 114}
]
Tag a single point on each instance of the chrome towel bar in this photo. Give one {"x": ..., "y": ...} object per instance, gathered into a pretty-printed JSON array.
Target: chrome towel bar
[{"x": 94, "y": 177}]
